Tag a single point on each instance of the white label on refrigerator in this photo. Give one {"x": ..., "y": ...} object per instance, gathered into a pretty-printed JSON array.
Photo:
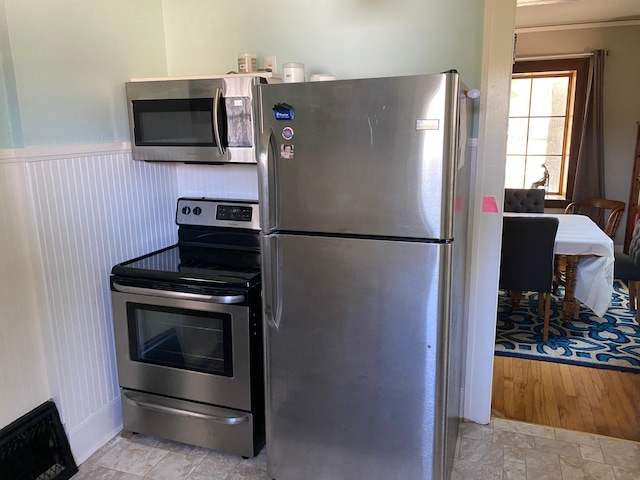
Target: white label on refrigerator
[{"x": 427, "y": 124}]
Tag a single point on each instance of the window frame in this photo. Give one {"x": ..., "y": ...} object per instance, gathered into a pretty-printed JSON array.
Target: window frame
[{"x": 581, "y": 67}]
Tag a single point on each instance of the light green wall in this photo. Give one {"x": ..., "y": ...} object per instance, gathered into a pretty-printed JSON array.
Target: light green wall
[
  {"x": 71, "y": 59},
  {"x": 10, "y": 128},
  {"x": 65, "y": 62},
  {"x": 348, "y": 38}
]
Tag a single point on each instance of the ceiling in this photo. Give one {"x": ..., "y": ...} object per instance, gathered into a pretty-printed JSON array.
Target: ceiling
[{"x": 543, "y": 13}]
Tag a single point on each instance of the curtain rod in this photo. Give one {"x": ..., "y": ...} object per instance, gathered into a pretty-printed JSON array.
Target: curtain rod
[{"x": 558, "y": 57}]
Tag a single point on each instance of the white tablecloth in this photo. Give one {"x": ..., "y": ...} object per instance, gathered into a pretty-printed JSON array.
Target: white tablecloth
[{"x": 579, "y": 235}]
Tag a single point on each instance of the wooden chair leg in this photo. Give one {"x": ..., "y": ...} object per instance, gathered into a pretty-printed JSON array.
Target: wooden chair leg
[
  {"x": 633, "y": 286},
  {"x": 547, "y": 314},
  {"x": 516, "y": 297},
  {"x": 540, "y": 303}
]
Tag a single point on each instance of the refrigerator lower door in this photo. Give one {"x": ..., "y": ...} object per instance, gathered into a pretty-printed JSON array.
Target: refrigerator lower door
[{"x": 356, "y": 345}]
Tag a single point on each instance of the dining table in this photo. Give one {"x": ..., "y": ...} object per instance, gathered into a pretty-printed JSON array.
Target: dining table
[{"x": 587, "y": 253}]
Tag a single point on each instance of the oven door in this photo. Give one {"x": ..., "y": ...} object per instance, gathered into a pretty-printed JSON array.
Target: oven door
[{"x": 182, "y": 345}]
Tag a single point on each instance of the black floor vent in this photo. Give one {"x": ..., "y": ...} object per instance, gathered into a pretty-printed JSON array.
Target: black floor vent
[{"x": 35, "y": 447}]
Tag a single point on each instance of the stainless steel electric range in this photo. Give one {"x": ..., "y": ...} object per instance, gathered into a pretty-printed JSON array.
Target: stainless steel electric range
[{"x": 188, "y": 331}]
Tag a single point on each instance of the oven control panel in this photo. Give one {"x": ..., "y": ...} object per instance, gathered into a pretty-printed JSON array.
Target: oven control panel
[
  {"x": 233, "y": 212},
  {"x": 218, "y": 213}
]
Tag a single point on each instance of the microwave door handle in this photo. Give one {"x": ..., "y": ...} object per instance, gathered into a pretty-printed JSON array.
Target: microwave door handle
[
  {"x": 216, "y": 127},
  {"x": 267, "y": 179},
  {"x": 270, "y": 280}
]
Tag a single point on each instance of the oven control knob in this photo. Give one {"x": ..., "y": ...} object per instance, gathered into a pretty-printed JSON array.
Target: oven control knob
[
  {"x": 186, "y": 210},
  {"x": 197, "y": 210}
]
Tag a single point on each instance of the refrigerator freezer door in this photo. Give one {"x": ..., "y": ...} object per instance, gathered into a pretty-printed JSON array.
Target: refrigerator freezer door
[
  {"x": 355, "y": 358},
  {"x": 362, "y": 157}
]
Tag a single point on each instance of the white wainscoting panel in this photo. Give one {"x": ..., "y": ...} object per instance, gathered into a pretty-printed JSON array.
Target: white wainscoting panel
[
  {"x": 23, "y": 374},
  {"x": 91, "y": 212}
]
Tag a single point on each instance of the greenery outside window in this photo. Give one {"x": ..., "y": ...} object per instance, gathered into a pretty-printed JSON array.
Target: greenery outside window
[{"x": 545, "y": 125}]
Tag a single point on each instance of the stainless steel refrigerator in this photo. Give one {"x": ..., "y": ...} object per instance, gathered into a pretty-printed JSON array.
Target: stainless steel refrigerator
[{"x": 364, "y": 189}]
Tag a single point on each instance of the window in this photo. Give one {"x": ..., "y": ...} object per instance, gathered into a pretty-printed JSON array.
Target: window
[{"x": 545, "y": 126}]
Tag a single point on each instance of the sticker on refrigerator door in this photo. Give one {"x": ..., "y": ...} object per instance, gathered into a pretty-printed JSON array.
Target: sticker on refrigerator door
[
  {"x": 286, "y": 151},
  {"x": 427, "y": 124},
  {"x": 283, "y": 111},
  {"x": 287, "y": 133}
]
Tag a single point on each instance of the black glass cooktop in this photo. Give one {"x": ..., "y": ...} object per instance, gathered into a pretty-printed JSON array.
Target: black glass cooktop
[{"x": 218, "y": 265}]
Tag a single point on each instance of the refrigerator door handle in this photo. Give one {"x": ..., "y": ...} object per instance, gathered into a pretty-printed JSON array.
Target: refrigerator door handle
[
  {"x": 270, "y": 281},
  {"x": 267, "y": 174}
]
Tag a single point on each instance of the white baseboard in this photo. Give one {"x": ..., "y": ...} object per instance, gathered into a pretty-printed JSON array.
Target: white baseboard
[{"x": 96, "y": 431}]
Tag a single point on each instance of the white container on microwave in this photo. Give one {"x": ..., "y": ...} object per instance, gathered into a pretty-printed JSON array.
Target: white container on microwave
[
  {"x": 205, "y": 119},
  {"x": 293, "y": 72}
]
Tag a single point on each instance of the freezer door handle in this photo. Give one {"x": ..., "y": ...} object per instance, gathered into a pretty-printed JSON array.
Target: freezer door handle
[
  {"x": 270, "y": 299},
  {"x": 267, "y": 175}
]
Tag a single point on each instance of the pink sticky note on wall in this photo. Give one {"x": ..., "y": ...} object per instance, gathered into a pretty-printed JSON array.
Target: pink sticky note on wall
[{"x": 489, "y": 205}]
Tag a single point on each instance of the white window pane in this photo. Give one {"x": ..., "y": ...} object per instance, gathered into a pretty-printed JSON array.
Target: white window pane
[
  {"x": 549, "y": 96},
  {"x": 533, "y": 171},
  {"x": 517, "y": 136},
  {"x": 514, "y": 171},
  {"x": 545, "y": 136},
  {"x": 554, "y": 165},
  {"x": 520, "y": 94},
  {"x": 555, "y": 139},
  {"x": 538, "y": 134}
]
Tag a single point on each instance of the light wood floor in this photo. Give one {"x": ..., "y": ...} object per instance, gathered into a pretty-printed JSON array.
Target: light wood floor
[{"x": 584, "y": 399}]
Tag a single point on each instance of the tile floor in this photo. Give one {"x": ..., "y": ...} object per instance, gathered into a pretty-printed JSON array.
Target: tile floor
[{"x": 502, "y": 450}]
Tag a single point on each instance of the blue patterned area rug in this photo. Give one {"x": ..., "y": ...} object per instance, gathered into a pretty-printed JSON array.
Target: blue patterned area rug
[{"x": 611, "y": 342}]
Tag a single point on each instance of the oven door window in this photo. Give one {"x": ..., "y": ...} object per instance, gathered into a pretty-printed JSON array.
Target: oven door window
[
  {"x": 185, "y": 339},
  {"x": 177, "y": 122}
]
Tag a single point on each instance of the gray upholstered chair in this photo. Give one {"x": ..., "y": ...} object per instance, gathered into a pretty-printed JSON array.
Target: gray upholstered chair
[
  {"x": 627, "y": 267},
  {"x": 524, "y": 200},
  {"x": 526, "y": 262}
]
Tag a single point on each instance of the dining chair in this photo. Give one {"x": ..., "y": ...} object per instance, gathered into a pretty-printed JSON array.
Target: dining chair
[
  {"x": 604, "y": 212},
  {"x": 524, "y": 200},
  {"x": 526, "y": 261},
  {"x": 627, "y": 267}
]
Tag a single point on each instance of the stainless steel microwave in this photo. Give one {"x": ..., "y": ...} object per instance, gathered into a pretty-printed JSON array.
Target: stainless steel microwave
[{"x": 194, "y": 119}]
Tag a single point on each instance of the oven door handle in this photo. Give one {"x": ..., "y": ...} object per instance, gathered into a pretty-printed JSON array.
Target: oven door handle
[
  {"x": 232, "y": 420},
  {"x": 226, "y": 299}
]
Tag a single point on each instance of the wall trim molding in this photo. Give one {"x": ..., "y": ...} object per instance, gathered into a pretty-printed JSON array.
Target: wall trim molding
[
  {"x": 96, "y": 431},
  {"x": 57, "y": 152},
  {"x": 484, "y": 252},
  {"x": 576, "y": 26}
]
